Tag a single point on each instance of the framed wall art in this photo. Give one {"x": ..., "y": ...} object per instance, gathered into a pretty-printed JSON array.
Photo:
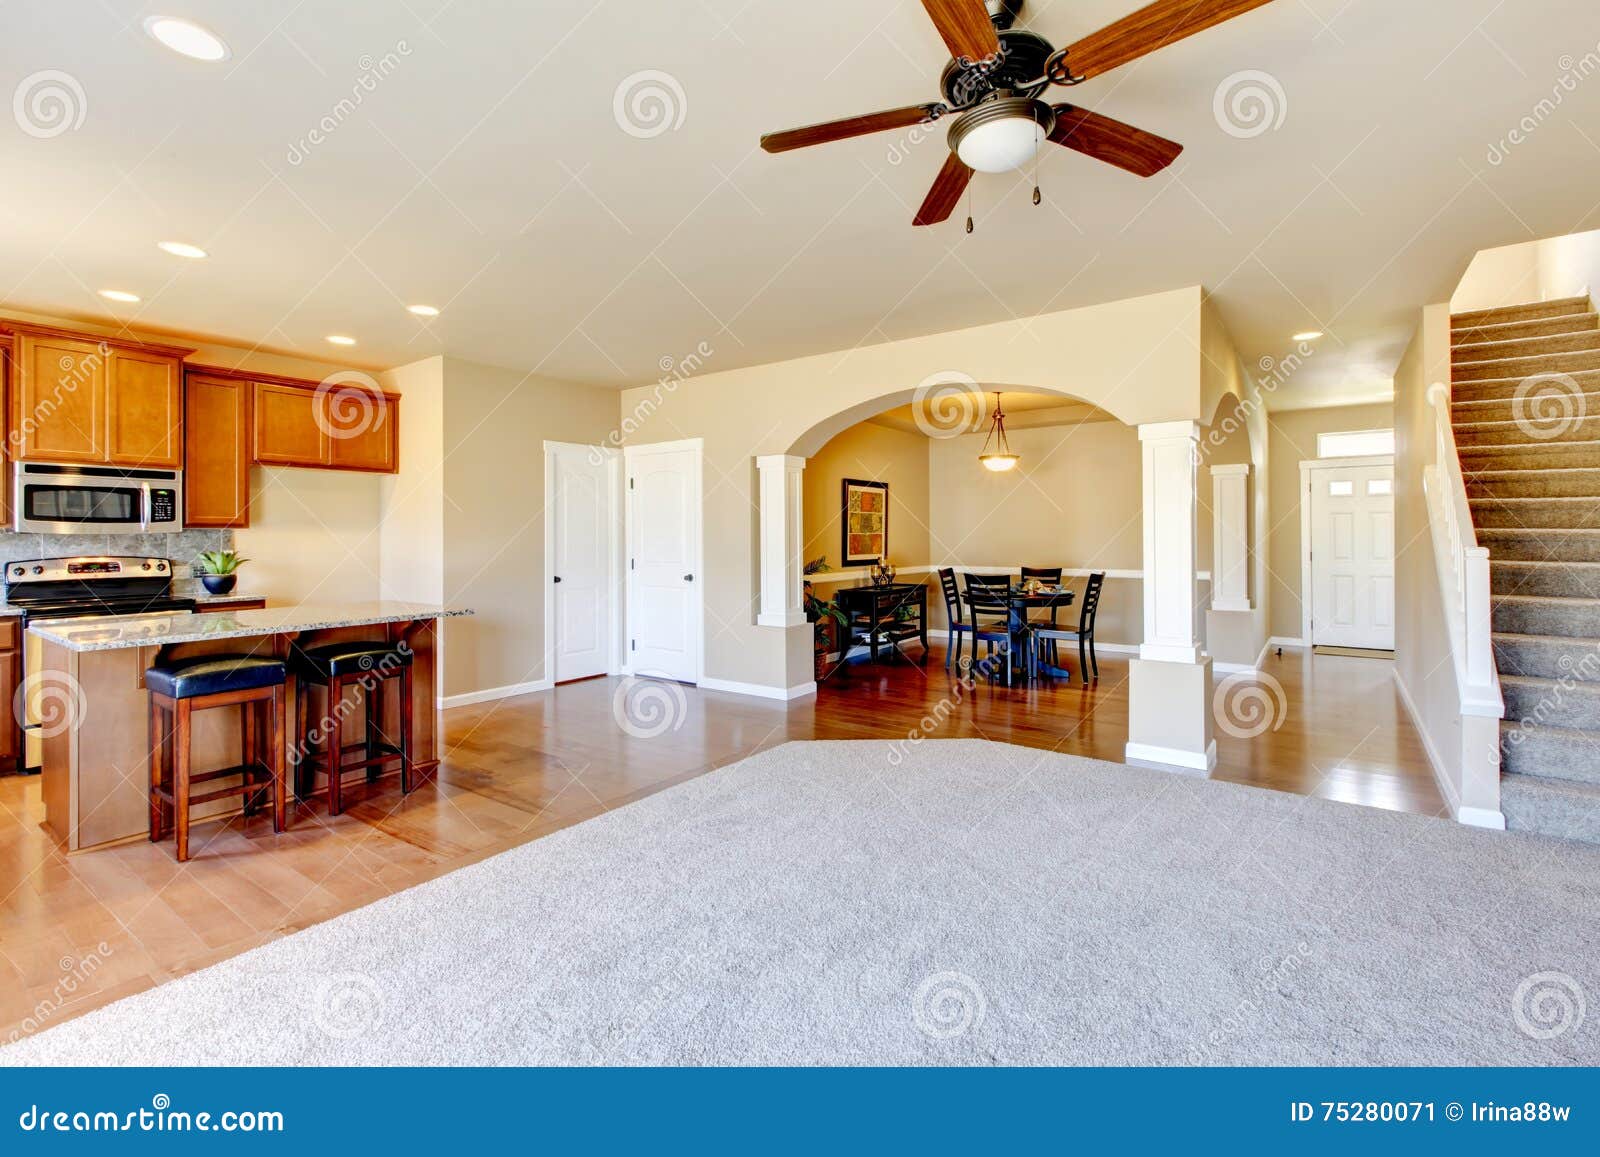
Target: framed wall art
[{"x": 866, "y": 522}]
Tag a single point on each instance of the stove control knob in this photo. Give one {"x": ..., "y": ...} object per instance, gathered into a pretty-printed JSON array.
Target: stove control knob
[
  {"x": 38, "y": 570},
  {"x": 17, "y": 570},
  {"x": 146, "y": 566},
  {"x": 161, "y": 566}
]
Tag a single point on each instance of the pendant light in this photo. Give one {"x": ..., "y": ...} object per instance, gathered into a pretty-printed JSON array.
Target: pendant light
[{"x": 1001, "y": 458}]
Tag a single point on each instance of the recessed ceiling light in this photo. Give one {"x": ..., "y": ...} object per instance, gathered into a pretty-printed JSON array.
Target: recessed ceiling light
[
  {"x": 1308, "y": 335},
  {"x": 118, "y": 295},
  {"x": 181, "y": 249},
  {"x": 424, "y": 310},
  {"x": 341, "y": 339},
  {"x": 187, "y": 38}
]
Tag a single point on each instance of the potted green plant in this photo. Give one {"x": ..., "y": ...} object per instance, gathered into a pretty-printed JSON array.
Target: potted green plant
[
  {"x": 830, "y": 629},
  {"x": 219, "y": 570}
]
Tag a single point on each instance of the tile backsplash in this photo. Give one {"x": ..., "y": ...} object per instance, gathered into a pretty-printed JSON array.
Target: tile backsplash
[{"x": 181, "y": 547}]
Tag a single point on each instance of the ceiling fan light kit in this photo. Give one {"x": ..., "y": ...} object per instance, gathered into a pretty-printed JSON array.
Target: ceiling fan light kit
[{"x": 992, "y": 86}]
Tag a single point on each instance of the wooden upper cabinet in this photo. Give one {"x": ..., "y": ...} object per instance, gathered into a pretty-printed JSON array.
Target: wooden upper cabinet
[
  {"x": 287, "y": 429},
  {"x": 363, "y": 429},
  {"x": 58, "y": 409},
  {"x": 144, "y": 406},
  {"x": 216, "y": 440},
  {"x": 78, "y": 398}
]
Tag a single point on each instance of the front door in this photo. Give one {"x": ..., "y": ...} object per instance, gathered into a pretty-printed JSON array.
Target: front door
[
  {"x": 664, "y": 585},
  {"x": 582, "y": 583},
  {"x": 1352, "y": 556}
]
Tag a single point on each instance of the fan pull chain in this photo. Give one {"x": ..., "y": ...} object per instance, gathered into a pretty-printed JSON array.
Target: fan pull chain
[
  {"x": 969, "y": 208},
  {"x": 1036, "y": 197}
]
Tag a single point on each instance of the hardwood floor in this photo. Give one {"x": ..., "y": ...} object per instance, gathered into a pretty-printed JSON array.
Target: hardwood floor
[{"x": 80, "y": 931}]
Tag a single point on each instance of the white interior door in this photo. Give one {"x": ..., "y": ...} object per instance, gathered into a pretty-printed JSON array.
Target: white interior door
[
  {"x": 664, "y": 580},
  {"x": 1352, "y": 556},
  {"x": 582, "y": 583}
]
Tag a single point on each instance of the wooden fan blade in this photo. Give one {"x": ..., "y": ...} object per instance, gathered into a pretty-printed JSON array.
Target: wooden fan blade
[
  {"x": 966, "y": 28},
  {"x": 1112, "y": 141},
  {"x": 1148, "y": 29},
  {"x": 898, "y": 118},
  {"x": 946, "y": 192}
]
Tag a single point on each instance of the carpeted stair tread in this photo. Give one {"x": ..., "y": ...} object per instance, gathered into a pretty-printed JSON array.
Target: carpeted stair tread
[
  {"x": 1536, "y": 327},
  {"x": 1528, "y": 513},
  {"x": 1551, "y": 807},
  {"x": 1547, "y": 579},
  {"x": 1584, "y": 381},
  {"x": 1533, "y": 431},
  {"x": 1527, "y": 366},
  {"x": 1573, "y": 618},
  {"x": 1571, "y": 657},
  {"x": 1489, "y": 351},
  {"x": 1566, "y": 455},
  {"x": 1554, "y": 713},
  {"x": 1529, "y": 407},
  {"x": 1539, "y": 544},
  {"x": 1555, "y": 307},
  {"x": 1576, "y": 482}
]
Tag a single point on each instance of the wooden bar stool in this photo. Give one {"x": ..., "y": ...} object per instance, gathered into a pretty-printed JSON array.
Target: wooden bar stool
[
  {"x": 337, "y": 667},
  {"x": 181, "y": 687}
]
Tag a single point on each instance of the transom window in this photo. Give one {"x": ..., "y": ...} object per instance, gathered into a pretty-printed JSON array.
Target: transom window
[{"x": 1355, "y": 443}]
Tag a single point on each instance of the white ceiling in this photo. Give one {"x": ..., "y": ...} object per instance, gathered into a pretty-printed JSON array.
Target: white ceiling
[{"x": 487, "y": 174}]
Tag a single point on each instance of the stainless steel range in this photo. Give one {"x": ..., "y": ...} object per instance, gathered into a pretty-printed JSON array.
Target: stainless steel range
[{"x": 47, "y": 589}]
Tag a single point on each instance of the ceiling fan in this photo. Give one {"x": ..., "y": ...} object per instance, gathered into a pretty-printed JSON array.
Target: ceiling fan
[{"x": 993, "y": 83}]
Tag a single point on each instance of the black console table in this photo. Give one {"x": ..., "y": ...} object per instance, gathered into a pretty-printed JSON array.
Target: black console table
[{"x": 875, "y": 616}]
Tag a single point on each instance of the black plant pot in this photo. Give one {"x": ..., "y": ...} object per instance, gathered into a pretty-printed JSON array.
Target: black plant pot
[{"x": 219, "y": 584}]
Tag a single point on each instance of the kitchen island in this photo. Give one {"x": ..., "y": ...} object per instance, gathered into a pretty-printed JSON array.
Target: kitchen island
[{"x": 95, "y": 769}]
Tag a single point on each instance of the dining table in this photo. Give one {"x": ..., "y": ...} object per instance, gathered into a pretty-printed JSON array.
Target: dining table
[{"x": 1021, "y": 600}]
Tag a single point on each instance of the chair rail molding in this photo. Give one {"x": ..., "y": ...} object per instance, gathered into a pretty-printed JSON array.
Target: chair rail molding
[
  {"x": 782, "y": 507},
  {"x": 1230, "y": 536}
]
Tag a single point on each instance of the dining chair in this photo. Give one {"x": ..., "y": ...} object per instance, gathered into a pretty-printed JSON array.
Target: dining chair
[
  {"x": 1049, "y": 576},
  {"x": 952, "y": 614},
  {"x": 1084, "y": 635},
  {"x": 988, "y": 597}
]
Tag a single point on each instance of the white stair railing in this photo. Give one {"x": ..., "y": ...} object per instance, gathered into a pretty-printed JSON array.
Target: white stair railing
[{"x": 1463, "y": 568}]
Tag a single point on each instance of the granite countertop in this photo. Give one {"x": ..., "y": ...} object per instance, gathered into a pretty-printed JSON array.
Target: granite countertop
[{"x": 111, "y": 634}]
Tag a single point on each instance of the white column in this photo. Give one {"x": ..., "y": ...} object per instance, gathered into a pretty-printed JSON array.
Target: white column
[
  {"x": 1169, "y": 684},
  {"x": 1171, "y": 629},
  {"x": 1230, "y": 530},
  {"x": 782, "y": 541}
]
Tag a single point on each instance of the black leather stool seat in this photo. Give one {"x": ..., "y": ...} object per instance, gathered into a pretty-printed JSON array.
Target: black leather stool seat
[
  {"x": 345, "y": 659},
  {"x": 214, "y": 675}
]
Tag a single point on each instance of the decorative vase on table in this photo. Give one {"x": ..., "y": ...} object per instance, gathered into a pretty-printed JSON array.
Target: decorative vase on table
[{"x": 219, "y": 584}]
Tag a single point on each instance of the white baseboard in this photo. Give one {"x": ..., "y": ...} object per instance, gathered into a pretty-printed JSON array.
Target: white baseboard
[
  {"x": 491, "y": 693},
  {"x": 1234, "y": 668},
  {"x": 1478, "y": 817},
  {"x": 1173, "y": 756},
  {"x": 1261, "y": 659},
  {"x": 758, "y": 690},
  {"x": 1281, "y": 641}
]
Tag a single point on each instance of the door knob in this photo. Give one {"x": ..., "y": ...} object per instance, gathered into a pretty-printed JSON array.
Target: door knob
[
  {"x": 558, "y": 578},
  {"x": 688, "y": 578}
]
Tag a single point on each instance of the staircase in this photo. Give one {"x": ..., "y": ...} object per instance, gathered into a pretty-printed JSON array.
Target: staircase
[{"x": 1530, "y": 455}]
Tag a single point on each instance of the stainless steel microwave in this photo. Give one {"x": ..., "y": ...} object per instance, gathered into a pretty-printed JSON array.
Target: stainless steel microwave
[{"x": 73, "y": 499}]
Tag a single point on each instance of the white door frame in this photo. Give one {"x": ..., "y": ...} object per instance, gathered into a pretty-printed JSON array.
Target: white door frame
[
  {"x": 630, "y": 454},
  {"x": 613, "y": 556},
  {"x": 1308, "y": 467}
]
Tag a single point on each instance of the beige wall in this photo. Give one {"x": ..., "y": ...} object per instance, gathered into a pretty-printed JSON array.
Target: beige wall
[
  {"x": 1422, "y": 640},
  {"x": 878, "y": 454},
  {"x": 495, "y": 424},
  {"x": 411, "y": 537},
  {"x": 1137, "y": 359},
  {"x": 1293, "y": 439}
]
